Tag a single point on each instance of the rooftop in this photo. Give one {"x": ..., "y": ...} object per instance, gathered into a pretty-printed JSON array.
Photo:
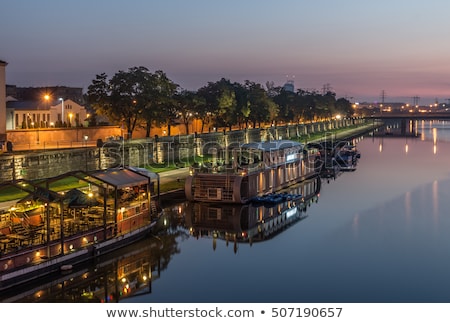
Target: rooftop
[{"x": 272, "y": 145}]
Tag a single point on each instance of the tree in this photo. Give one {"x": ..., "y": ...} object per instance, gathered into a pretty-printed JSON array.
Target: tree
[
  {"x": 288, "y": 105},
  {"x": 161, "y": 104},
  {"x": 344, "y": 107},
  {"x": 220, "y": 101},
  {"x": 133, "y": 98},
  {"x": 121, "y": 98},
  {"x": 262, "y": 107},
  {"x": 242, "y": 103}
]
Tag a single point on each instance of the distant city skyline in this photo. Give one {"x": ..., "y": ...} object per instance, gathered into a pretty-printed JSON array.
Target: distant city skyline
[{"x": 358, "y": 49}]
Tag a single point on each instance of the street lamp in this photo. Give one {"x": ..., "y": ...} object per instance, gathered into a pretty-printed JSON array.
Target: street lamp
[
  {"x": 39, "y": 121},
  {"x": 62, "y": 110},
  {"x": 86, "y": 137}
]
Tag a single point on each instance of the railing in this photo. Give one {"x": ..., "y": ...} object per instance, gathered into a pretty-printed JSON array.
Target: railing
[
  {"x": 209, "y": 168},
  {"x": 47, "y": 145}
]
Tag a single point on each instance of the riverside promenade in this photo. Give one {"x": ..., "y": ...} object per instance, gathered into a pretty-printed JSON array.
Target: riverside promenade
[{"x": 180, "y": 174}]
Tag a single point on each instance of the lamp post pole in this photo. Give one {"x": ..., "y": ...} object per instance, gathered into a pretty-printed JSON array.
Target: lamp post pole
[
  {"x": 62, "y": 111},
  {"x": 86, "y": 151}
]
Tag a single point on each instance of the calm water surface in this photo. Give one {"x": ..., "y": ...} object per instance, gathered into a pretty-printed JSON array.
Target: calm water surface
[{"x": 378, "y": 234}]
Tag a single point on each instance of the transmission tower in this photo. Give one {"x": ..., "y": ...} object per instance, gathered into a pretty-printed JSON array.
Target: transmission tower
[
  {"x": 383, "y": 96},
  {"x": 326, "y": 88}
]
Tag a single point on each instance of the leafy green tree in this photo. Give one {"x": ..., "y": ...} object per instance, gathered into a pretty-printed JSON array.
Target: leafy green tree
[
  {"x": 185, "y": 103},
  {"x": 262, "y": 107},
  {"x": 220, "y": 102},
  {"x": 344, "y": 107},
  {"x": 226, "y": 115},
  {"x": 242, "y": 104},
  {"x": 161, "y": 105},
  {"x": 132, "y": 97},
  {"x": 288, "y": 105},
  {"x": 200, "y": 109},
  {"x": 123, "y": 98}
]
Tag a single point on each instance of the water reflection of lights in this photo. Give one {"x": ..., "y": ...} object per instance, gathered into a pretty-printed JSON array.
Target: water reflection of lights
[{"x": 434, "y": 141}]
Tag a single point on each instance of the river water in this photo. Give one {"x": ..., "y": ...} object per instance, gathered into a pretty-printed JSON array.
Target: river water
[{"x": 380, "y": 233}]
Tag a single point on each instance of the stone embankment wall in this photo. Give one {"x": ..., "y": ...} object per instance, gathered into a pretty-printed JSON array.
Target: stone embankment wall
[{"x": 48, "y": 163}]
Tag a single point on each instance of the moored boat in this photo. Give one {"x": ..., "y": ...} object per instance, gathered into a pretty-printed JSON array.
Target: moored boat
[
  {"x": 48, "y": 230},
  {"x": 347, "y": 157},
  {"x": 241, "y": 173}
]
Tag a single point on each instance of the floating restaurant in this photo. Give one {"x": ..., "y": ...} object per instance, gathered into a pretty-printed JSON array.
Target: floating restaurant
[
  {"x": 237, "y": 174},
  {"x": 48, "y": 227}
]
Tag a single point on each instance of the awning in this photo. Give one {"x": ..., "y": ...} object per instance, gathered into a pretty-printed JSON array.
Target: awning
[
  {"x": 144, "y": 172},
  {"x": 120, "y": 178},
  {"x": 77, "y": 199}
]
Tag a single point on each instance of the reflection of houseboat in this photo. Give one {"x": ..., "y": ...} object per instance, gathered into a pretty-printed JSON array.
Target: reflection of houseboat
[
  {"x": 249, "y": 222},
  {"x": 118, "y": 275},
  {"x": 250, "y": 170},
  {"x": 49, "y": 228}
]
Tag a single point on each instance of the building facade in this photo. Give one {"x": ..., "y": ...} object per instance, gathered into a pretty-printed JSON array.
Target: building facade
[
  {"x": 2, "y": 102},
  {"x": 33, "y": 114}
]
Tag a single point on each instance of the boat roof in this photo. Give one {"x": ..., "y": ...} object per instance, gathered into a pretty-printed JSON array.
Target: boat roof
[
  {"x": 143, "y": 171},
  {"x": 272, "y": 145},
  {"x": 120, "y": 177}
]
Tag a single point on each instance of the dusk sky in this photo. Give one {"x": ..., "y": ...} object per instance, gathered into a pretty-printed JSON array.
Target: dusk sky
[{"x": 359, "y": 48}]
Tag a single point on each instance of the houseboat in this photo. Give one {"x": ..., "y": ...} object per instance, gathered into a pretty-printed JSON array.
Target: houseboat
[
  {"x": 50, "y": 228},
  {"x": 238, "y": 174}
]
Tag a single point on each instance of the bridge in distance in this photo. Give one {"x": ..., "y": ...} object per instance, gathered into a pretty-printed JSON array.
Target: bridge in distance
[{"x": 411, "y": 115}]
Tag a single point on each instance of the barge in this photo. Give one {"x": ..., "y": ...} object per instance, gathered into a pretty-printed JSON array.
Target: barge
[
  {"x": 238, "y": 174},
  {"x": 47, "y": 229}
]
